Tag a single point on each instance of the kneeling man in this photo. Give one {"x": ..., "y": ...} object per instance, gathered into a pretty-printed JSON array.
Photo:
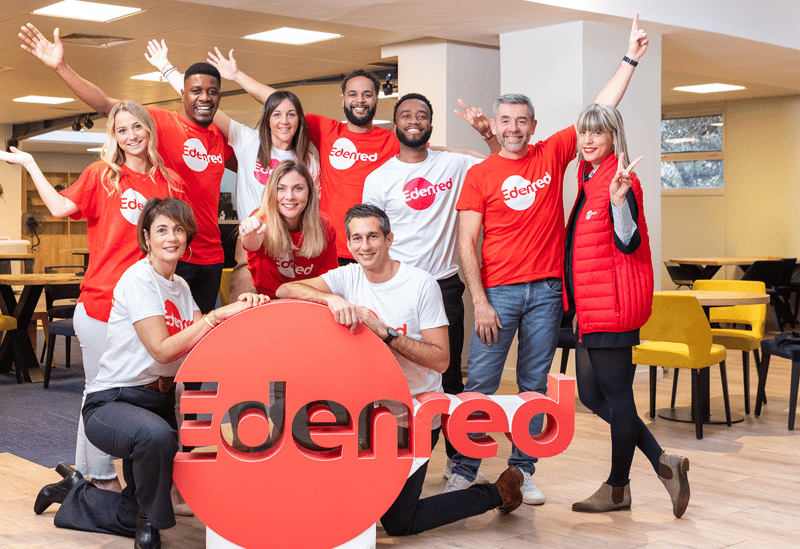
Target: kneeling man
[{"x": 407, "y": 297}]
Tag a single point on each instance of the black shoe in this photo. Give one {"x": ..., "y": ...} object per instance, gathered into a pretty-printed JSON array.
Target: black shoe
[
  {"x": 57, "y": 493},
  {"x": 147, "y": 537}
]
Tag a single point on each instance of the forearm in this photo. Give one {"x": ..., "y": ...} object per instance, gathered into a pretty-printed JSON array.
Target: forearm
[
  {"x": 428, "y": 355},
  {"x": 472, "y": 270},
  {"x": 252, "y": 241},
  {"x": 85, "y": 90},
  {"x": 612, "y": 92},
  {"x": 298, "y": 290},
  {"x": 260, "y": 92},
  {"x": 175, "y": 346},
  {"x": 59, "y": 205}
]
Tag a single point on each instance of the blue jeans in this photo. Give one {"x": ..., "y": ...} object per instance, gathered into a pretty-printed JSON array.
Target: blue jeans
[{"x": 533, "y": 308}]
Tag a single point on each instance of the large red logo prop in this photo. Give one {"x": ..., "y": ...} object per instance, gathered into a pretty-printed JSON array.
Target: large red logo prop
[{"x": 286, "y": 495}]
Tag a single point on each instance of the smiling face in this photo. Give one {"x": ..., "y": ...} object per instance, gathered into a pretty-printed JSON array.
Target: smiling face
[
  {"x": 132, "y": 138},
  {"x": 292, "y": 199},
  {"x": 200, "y": 98},
  {"x": 595, "y": 146},
  {"x": 360, "y": 101},
  {"x": 367, "y": 243},
  {"x": 283, "y": 123},
  {"x": 165, "y": 241},
  {"x": 513, "y": 126},
  {"x": 413, "y": 123}
]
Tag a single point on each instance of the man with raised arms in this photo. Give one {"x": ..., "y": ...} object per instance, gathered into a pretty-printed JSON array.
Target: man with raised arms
[
  {"x": 516, "y": 197},
  {"x": 188, "y": 143},
  {"x": 412, "y": 323},
  {"x": 418, "y": 190}
]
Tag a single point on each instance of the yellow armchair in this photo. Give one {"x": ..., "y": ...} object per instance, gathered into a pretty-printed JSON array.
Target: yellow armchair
[{"x": 678, "y": 335}]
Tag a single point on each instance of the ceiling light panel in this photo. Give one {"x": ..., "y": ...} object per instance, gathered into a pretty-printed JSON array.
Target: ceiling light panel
[
  {"x": 709, "y": 88},
  {"x": 151, "y": 76},
  {"x": 86, "y": 11},
  {"x": 288, "y": 35},
  {"x": 43, "y": 99},
  {"x": 68, "y": 136}
]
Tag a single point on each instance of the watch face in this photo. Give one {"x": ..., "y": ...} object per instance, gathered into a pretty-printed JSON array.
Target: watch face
[{"x": 392, "y": 332}]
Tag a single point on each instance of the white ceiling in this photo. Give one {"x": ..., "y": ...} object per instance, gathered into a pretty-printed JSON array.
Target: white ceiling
[{"x": 193, "y": 28}]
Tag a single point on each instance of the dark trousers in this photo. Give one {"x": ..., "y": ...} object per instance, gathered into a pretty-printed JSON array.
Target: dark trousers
[
  {"x": 605, "y": 386},
  {"x": 452, "y": 380},
  {"x": 203, "y": 281},
  {"x": 411, "y": 515},
  {"x": 138, "y": 425}
]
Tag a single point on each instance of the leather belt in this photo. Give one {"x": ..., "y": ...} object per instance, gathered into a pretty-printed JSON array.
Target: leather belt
[{"x": 163, "y": 384}]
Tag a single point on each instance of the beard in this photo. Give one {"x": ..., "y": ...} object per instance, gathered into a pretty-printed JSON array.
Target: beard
[
  {"x": 360, "y": 121},
  {"x": 413, "y": 143},
  {"x": 511, "y": 147}
]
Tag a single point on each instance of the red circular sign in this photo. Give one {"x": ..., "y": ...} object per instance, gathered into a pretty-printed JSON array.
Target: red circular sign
[{"x": 288, "y": 495}]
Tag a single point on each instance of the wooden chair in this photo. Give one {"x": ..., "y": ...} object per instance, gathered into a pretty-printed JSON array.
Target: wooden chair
[
  {"x": 225, "y": 287},
  {"x": 744, "y": 339},
  {"x": 678, "y": 335}
]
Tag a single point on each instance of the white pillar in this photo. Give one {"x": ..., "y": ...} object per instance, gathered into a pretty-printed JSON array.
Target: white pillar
[{"x": 12, "y": 201}]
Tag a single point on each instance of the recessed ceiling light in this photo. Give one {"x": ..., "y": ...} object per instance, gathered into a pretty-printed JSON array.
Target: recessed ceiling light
[
  {"x": 87, "y": 11},
  {"x": 43, "y": 99},
  {"x": 94, "y": 149},
  {"x": 709, "y": 88},
  {"x": 676, "y": 140},
  {"x": 69, "y": 136},
  {"x": 151, "y": 76},
  {"x": 382, "y": 95},
  {"x": 288, "y": 35}
]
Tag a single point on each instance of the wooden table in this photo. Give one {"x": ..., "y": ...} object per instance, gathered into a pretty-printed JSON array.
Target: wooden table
[
  {"x": 707, "y": 300},
  {"x": 85, "y": 253},
  {"x": 16, "y": 347},
  {"x": 25, "y": 259},
  {"x": 713, "y": 264}
]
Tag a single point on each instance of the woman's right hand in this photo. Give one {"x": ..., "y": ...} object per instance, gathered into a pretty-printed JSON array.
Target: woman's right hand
[
  {"x": 16, "y": 156},
  {"x": 250, "y": 225},
  {"x": 244, "y": 302}
]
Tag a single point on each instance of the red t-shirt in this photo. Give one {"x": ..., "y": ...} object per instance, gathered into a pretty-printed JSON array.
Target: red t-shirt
[
  {"x": 111, "y": 228},
  {"x": 198, "y": 154},
  {"x": 346, "y": 158},
  {"x": 269, "y": 273},
  {"x": 523, "y": 213}
]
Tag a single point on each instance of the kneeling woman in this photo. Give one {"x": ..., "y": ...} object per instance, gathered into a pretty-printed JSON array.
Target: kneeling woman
[
  {"x": 609, "y": 282},
  {"x": 129, "y": 410},
  {"x": 287, "y": 239}
]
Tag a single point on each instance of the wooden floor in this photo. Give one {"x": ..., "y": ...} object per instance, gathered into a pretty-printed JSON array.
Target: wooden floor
[{"x": 744, "y": 479}]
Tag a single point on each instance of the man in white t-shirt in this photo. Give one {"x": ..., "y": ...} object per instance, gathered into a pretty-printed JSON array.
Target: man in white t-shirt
[
  {"x": 418, "y": 189},
  {"x": 411, "y": 321}
]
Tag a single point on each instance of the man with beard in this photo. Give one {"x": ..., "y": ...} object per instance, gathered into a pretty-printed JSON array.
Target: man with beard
[
  {"x": 516, "y": 196},
  {"x": 188, "y": 143},
  {"x": 418, "y": 190}
]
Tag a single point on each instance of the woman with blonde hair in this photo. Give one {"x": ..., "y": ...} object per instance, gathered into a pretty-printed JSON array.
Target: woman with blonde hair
[
  {"x": 287, "y": 238},
  {"x": 109, "y": 194},
  {"x": 608, "y": 281}
]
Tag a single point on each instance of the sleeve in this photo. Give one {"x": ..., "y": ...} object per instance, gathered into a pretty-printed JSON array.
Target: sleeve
[
  {"x": 624, "y": 225},
  {"x": 636, "y": 238},
  {"x": 471, "y": 197},
  {"x": 313, "y": 167},
  {"x": 431, "y": 306},
  {"x": 141, "y": 297},
  {"x": 84, "y": 192},
  {"x": 315, "y": 122},
  {"x": 335, "y": 279},
  {"x": 235, "y": 135},
  {"x": 566, "y": 143},
  {"x": 372, "y": 191}
]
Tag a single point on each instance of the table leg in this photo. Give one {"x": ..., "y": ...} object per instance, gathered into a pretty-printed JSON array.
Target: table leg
[{"x": 16, "y": 347}]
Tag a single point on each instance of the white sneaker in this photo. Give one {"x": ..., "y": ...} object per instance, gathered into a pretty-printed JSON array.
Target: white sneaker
[
  {"x": 480, "y": 478},
  {"x": 531, "y": 494},
  {"x": 456, "y": 482}
]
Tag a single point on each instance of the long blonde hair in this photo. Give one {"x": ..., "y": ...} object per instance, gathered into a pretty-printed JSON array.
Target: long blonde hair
[
  {"x": 277, "y": 241},
  {"x": 114, "y": 157}
]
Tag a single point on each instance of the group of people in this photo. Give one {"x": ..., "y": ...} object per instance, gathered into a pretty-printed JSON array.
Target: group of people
[{"x": 375, "y": 233}]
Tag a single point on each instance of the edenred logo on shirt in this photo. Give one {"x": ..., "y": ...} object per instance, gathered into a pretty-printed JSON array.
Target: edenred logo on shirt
[
  {"x": 262, "y": 175},
  {"x": 288, "y": 268},
  {"x": 420, "y": 193},
  {"x": 196, "y": 156},
  {"x": 131, "y": 205},
  {"x": 344, "y": 154},
  {"x": 519, "y": 193},
  {"x": 173, "y": 318}
]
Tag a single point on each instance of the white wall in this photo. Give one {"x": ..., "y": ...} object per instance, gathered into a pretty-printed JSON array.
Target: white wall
[{"x": 11, "y": 202}]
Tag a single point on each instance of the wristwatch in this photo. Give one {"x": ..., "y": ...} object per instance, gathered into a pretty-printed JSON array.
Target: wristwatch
[{"x": 391, "y": 334}]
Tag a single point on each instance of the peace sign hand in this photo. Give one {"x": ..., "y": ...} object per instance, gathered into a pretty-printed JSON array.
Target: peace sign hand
[
  {"x": 622, "y": 180},
  {"x": 475, "y": 117}
]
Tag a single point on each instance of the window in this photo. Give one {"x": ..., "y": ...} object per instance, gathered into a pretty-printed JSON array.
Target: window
[{"x": 691, "y": 153}]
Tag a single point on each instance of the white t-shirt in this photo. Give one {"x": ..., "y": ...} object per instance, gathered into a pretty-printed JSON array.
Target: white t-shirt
[
  {"x": 141, "y": 293},
  {"x": 251, "y": 177},
  {"x": 410, "y": 302},
  {"x": 420, "y": 200}
]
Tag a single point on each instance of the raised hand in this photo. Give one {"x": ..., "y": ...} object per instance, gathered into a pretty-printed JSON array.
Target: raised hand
[
  {"x": 475, "y": 117},
  {"x": 622, "y": 180},
  {"x": 637, "y": 44},
  {"x": 49, "y": 53},
  {"x": 227, "y": 67},
  {"x": 157, "y": 54},
  {"x": 16, "y": 156}
]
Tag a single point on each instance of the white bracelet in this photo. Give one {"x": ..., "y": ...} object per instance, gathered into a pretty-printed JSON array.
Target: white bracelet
[{"x": 208, "y": 321}]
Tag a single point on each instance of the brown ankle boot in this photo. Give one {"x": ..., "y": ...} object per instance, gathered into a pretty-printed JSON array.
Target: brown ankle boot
[
  {"x": 672, "y": 470},
  {"x": 607, "y": 498},
  {"x": 508, "y": 486}
]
